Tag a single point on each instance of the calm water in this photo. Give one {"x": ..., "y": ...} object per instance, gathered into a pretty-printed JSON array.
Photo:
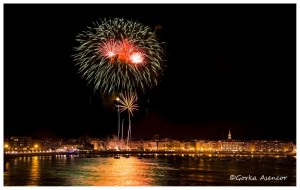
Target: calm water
[{"x": 154, "y": 171}]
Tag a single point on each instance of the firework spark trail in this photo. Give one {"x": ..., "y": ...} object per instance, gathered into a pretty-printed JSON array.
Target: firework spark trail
[
  {"x": 128, "y": 102},
  {"x": 118, "y": 55}
]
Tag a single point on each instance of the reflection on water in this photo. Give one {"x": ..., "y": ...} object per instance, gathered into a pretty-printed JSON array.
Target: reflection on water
[
  {"x": 34, "y": 171},
  {"x": 109, "y": 172},
  {"x": 152, "y": 171}
]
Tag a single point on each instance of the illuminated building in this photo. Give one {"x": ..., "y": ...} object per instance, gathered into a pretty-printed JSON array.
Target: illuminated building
[
  {"x": 69, "y": 146},
  {"x": 98, "y": 144},
  {"x": 162, "y": 145},
  {"x": 229, "y": 135},
  {"x": 190, "y": 145},
  {"x": 36, "y": 145},
  {"x": 177, "y": 145},
  {"x": 20, "y": 143},
  {"x": 50, "y": 144},
  {"x": 136, "y": 145},
  {"x": 150, "y": 145},
  {"x": 228, "y": 145},
  {"x": 234, "y": 146}
]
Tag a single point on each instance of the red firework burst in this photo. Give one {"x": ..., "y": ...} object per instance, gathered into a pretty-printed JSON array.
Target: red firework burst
[
  {"x": 109, "y": 49},
  {"x": 124, "y": 51}
]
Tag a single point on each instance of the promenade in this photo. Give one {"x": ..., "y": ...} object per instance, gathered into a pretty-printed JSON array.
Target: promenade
[{"x": 140, "y": 152}]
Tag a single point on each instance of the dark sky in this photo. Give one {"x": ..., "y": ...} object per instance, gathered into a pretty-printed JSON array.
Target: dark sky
[{"x": 228, "y": 66}]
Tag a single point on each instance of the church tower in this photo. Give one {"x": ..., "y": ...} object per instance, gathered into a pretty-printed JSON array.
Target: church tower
[{"x": 229, "y": 135}]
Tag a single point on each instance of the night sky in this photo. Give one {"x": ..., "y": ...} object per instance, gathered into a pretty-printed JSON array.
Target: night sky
[{"x": 228, "y": 66}]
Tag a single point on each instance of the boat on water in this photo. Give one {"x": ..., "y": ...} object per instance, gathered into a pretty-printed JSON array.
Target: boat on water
[
  {"x": 281, "y": 159},
  {"x": 225, "y": 159},
  {"x": 117, "y": 157},
  {"x": 240, "y": 160}
]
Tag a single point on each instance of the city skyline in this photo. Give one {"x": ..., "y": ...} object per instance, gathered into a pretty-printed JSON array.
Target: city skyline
[
  {"x": 223, "y": 71},
  {"x": 28, "y": 145}
]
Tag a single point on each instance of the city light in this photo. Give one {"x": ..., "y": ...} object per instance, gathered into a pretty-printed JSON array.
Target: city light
[{"x": 164, "y": 145}]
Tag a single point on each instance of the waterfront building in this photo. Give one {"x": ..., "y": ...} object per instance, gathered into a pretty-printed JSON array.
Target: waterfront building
[
  {"x": 50, "y": 144},
  {"x": 162, "y": 145},
  {"x": 20, "y": 143},
  {"x": 228, "y": 145},
  {"x": 233, "y": 146},
  {"x": 190, "y": 145},
  {"x": 136, "y": 145},
  {"x": 98, "y": 144},
  {"x": 178, "y": 145},
  {"x": 70, "y": 146},
  {"x": 150, "y": 145}
]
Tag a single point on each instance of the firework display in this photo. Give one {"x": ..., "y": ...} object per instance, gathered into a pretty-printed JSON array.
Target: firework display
[
  {"x": 117, "y": 55},
  {"x": 128, "y": 102}
]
